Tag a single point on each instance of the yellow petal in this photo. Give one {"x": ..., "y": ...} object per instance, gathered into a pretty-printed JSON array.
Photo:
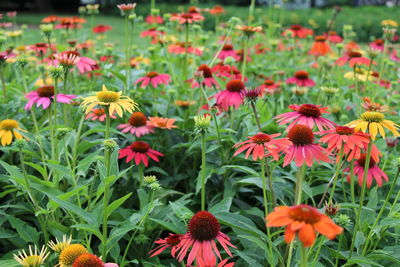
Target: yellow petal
[
  {"x": 373, "y": 129},
  {"x": 119, "y": 110},
  {"x": 17, "y": 135},
  {"x": 7, "y": 138}
]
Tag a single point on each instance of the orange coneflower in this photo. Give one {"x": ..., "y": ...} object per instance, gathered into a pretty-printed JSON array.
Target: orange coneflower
[
  {"x": 162, "y": 123},
  {"x": 304, "y": 221},
  {"x": 320, "y": 47}
]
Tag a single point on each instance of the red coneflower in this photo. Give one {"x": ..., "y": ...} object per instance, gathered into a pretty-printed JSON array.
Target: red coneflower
[
  {"x": 304, "y": 150},
  {"x": 298, "y": 31},
  {"x": 222, "y": 70},
  {"x": 98, "y": 114},
  {"x": 152, "y": 32},
  {"x": 139, "y": 151},
  {"x": 353, "y": 142},
  {"x": 334, "y": 38},
  {"x": 353, "y": 58},
  {"x": 269, "y": 87},
  {"x": 170, "y": 241},
  {"x": 307, "y": 114},
  {"x": 99, "y": 29},
  {"x": 320, "y": 47},
  {"x": 182, "y": 48},
  {"x": 154, "y": 78},
  {"x": 207, "y": 79},
  {"x": 373, "y": 172},
  {"x": 217, "y": 10},
  {"x": 137, "y": 125},
  {"x": 260, "y": 143},
  {"x": 228, "y": 51},
  {"x": 203, "y": 230},
  {"x": 50, "y": 19},
  {"x": 301, "y": 78},
  {"x": 303, "y": 221},
  {"x": 378, "y": 44},
  {"x": 232, "y": 95},
  {"x": 188, "y": 18},
  {"x": 152, "y": 19}
]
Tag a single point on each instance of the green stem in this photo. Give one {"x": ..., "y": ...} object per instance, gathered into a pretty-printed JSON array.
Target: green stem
[
  {"x": 264, "y": 185},
  {"x": 321, "y": 241},
  {"x": 299, "y": 184},
  {"x": 203, "y": 172},
  {"x": 303, "y": 259},
  {"x": 185, "y": 63},
  {"x": 246, "y": 40},
  {"x": 221, "y": 46},
  {"x": 3, "y": 82},
  {"x": 251, "y": 11},
  {"x": 389, "y": 194},
  {"x": 364, "y": 185},
  {"x": 253, "y": 107},
  {"x": 338, "y": 250},
  {"x": 336, "y": 174},
  {"x": 52, "y": 134},
  {"x": 141, "y": 173}
]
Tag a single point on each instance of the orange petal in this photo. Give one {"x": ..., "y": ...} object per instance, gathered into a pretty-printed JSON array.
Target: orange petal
[
  {"x": 327, "y": 227},
  {"x": 279, "y": 217},
  {"x": 307, "y": 235},
  {"x": 289, "y": 235},
  {"x": 296, "y": 225}
]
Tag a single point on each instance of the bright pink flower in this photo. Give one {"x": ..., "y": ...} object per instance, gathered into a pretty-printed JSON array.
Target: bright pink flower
[
  {"x": 154, "y": 19},
  {"x": 307, "y": 114},
  {"x": 154, "y": 78},
  {"x": 152, "y": 32},
  {"x": 137, "y": 125},
  {"x": 232, "y": 95},
  {"x": 11, "y": 14},
  {"x": 44, "y": 96},
  {"x": 40, "y": 49},
  {"x": 98, "y": 114},
  {"x": 353, "y": 58},
  {"x": 353, "y": 142},
  {"x": 374, "y": 172},
  {"x": 139, "y": 151},
  {"x": 203, "y": 230},
  {"x": 334, "y": 38},
  {"x": 304, "y": 150},
  {"x": 183, "y": 18},
  {"x": 269, "y": 87},
  {"x": 260, "y": 143},
  {"x": 170, "y": 241},
  {"x": 394, "y": 56},
  {"x": 206, "y": 77},
  {"x": 378, "y": 44},
  {"x": 228, "y": 51},
  {"x": 301, "y": 78},
  {"x": 71, "y": 58},
  {"x": 298, "y": 31},
  {"x": 99, "y": 29},
  {"x": 223, "y": 263}
]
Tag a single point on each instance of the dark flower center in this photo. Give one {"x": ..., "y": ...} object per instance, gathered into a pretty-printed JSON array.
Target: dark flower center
[
  {"x": 301, "y": 135},
  {"x": 227, "y": 47},
  {"x": 354, "y": 54},
  {"x": 72, "y": 53},
  {"x": 332, "y": 33},
  {"x": 363, "y": 158},
  {"x": 205, "y": 70},
  {"x": 344, "y": 130},
  {"x": 99, "y": 111},
  {"x": 261, "y": 138},
  {"x": 296, "y": 27},
  {"x": 193, "y": 9},
  {"x": 235, "y": 86},
  {"x": 140, "y": 147},
  {"x": 41, "y": 45},
  {"x": 204, "y": 226},
  {"x": 187, "y": 16},
  {"x": 304, "y": 213},
  {"x": 310, "y": 110},
  {"x": 268, "y": 82},
  {"x": 320, "y": 38},
  {"x": 46, "y": 91},
  {"x": 152, "y": 74},
  {"x": 379, "y": 42},
  {"x": 301, "y": 74},
  {"x": 137, "y": 119}
]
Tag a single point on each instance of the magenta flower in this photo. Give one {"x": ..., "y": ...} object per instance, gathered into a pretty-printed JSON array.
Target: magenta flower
[
  {"x": 139, "y": 151},
  {"x": 353, "y": 58},
  {"x": 378, "y": 44},
  {"x": 206, "y": 77},
  {"x": 232, "y": 95},
  {"x": 301, "y": 78},
  {"x": 154, "y": 78},
  {"x": 169, "y": 242},
  {"x": 44, "y": 95},
  {"x": 307, "y": 114},
  {"x": 71, "y": 58},
  {"x": 228, "y": 51},
  {"x": 137, "y": 125},
  {"x": 98, "y": 114}
]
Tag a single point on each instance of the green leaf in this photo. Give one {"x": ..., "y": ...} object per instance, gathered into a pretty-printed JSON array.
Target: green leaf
[
  {"x": 25, "y": 231},
  {"x": 116, "y": 204},
  {"x": 360, "y": 240},
  {"x": 244, "y": 169},
  {"x": 167, "y": 225},
  {"x": 90, "y": 229}
]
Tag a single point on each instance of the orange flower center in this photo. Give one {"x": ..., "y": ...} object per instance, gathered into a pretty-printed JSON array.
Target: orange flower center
[
  {"x": 41, "y": 45},
  {"x": 310, "y": 110},
  {"x": 301, "y": 135},
  {"x": 137, "y": 119},
  {"x": 320, "y": 38},
  {"x": 46, "y": 91},
  {"x": 88, "y": 259},
  {"x": 301, "y": 74},
  {"x": 193, "y": 9},
  {"x": 205, "y": 70},
  {"x": 72, "y": 53},
  {"x": 344, "y": 130},
  {"x": 379, "y": 42},
  {"x": 363, "y": 158},
  {"x": 332, "y": 33},
  {"x": 140, "y": 147},
  {"x": 304, "y": 213},
  {"x": 204, "y": 226},
  {"x": 261, "y": 138},
  {"x": 235, "y": 86},
  {"x": 152, "y": 74},
  {"x": 269, "y": 82}
]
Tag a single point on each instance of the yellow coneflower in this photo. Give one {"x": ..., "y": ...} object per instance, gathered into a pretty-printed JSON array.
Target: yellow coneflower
[
  {"x": 8, "y": 131},
  {"x": 389, "y": 22},
  {"x": 359, "y": 74},
  {"x": 34, "y": 259},
  {"x": 114, "y": 100},
  {"x": 374, "y": 122},
  {"x": 70, "y": 253},
  {"x": 42, "y": 82},
  {"x": 58, "y": 246},
  {"x": 184, "y": 103},
  {"x": 14, "y": 34}
]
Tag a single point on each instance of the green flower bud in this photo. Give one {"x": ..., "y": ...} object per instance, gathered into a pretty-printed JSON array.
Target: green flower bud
[
  {"x": 234, "y": 21},
  {"x": 82, "y": 10},
  {"x": 20, "y": 143},
  {"x": 229, "y": 60},
  {"x": 62, "y": 132},
  {"x": 202, "y": 123},
  {"x": 21, "y": 62},
  {"x": 110, "y": 145},
  {"x": 56, "y": 72},
  {"x": 343, "y": 220}
]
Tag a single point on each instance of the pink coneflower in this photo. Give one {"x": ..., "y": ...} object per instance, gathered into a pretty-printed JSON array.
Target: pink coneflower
[
  {"x": 137, "y": 125},
  {"x": 260, "y": 143},
  {"x": 154, "y": 19},
  {"x": 99, "y": 29},
  {"x": 183, "y": 18},
  {"x": 301, "y": 78},
  {"x": 269, "y": 87},
  {"x": 353, "y": 58},
  {"x": 203, "y": 230},
  {"x": 139, "y": 151},
  {"x": 98, "y": 114},
  {"x": 353, "y": 142},
  {"x": 334, "y": 38},
  {"x": 298, "y": 31},
  {"x": 71, "y": 58},
  {"x": 44, "y": 96},
  {"x": 394, "y": 56},
  {"x": 374, "y": 172},
  {"x": 170, "y": 241},
  {"x": 222, "y": 70},
  {"x": 182, "y": 48},
  {"x": 154, "y": 78},
  {"x": 232, "y": 95},
  {"x": 206, "y": 77},
  {"x": 11, "y": 14},
  {"x": 320, "y": 47},
  {"x": 152, "y": 32},
  {"x": 40, "y": 49},
  {"x": 162, "y": 123},
  {"x": 307, "y": 114},
  {"x": 223, "y": 263},
  {"x": 384, "y": 83},
  {"x": 126, "y": 9},
  {"x": 228, "y": 51},
  {"x": 304, "y": 150},
  {"x": 378, "y": 44}
]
